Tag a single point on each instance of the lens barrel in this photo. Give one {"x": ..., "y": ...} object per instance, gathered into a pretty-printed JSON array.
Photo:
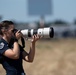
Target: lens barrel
[
  {"x": 51, "y": 32},
  {"x": 45, "y": 32}
]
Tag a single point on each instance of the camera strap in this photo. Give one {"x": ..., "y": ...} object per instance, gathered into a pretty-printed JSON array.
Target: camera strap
[{"x": 23, "y": 42}]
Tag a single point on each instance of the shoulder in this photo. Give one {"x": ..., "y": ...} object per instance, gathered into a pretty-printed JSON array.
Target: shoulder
[
  {"x": 2, "y": 43},
  {"x": 2, "y": 46}
]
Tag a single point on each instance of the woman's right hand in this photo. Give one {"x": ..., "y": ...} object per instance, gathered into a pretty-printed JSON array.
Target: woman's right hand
[{"x": 18, "y": 34}]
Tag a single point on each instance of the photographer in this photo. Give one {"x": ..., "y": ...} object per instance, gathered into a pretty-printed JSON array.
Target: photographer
[{"x": 12, "y": 54}]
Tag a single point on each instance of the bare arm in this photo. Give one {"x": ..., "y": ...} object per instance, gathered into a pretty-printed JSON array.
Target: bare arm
[
  {"x": 29, "y": 57},
  {"x": 13, "y": 53}
]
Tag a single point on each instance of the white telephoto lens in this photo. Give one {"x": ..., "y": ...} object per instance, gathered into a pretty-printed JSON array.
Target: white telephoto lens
[{"x": 44, "y": 32}]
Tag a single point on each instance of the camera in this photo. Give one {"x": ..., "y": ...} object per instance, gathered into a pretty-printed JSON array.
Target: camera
[{"x": 47, "y": 32}]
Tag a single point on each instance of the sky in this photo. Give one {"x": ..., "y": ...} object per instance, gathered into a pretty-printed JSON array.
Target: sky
[{"x": 17, "y": 10}]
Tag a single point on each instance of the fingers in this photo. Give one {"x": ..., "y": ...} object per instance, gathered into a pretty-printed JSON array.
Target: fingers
[
  {"x": 36, "y": 37},
  {"x": 18, "y": 31},
  {"x": 18, "y": 34}
]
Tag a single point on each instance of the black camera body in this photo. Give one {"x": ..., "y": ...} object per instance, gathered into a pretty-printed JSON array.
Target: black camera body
[{"x": 14, "y": 31}]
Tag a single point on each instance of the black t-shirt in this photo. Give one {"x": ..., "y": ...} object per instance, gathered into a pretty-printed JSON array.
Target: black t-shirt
[{"x": 12, "y": 66}]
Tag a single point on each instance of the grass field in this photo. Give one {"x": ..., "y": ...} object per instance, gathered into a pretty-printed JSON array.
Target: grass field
[{"x": 54, "y": 57}]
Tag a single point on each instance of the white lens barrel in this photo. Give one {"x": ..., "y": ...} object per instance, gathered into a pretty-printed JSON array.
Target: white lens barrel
[
  {"x": 45, "y": 32},
  {"x": 32, "y": 30},
  {"x": 25, "y": 32},
  {"x": 40, "y": 32}
]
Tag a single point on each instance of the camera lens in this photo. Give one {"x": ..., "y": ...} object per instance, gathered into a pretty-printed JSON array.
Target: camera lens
[{"x": 45, "y": 32}]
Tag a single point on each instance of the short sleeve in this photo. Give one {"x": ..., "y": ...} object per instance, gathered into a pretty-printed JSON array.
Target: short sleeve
[{"x": 3, "y": 47}]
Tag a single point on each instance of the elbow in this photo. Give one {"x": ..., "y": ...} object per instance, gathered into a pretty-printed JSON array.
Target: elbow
[
  {"x": 16, "y": 57},
  {"x": 30, "y": 61}
]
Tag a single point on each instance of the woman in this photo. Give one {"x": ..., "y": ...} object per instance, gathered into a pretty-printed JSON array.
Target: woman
[{"x": 13, "y": 55}]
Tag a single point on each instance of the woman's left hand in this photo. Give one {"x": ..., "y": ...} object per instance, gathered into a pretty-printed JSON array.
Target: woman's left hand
[{"x": 35, "y": 38}]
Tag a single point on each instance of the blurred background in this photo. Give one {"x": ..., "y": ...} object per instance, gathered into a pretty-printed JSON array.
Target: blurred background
[{"x": 54, "y": 56}]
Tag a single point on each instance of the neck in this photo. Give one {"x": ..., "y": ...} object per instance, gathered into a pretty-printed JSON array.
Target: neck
[{"x": 6, "y": 38}]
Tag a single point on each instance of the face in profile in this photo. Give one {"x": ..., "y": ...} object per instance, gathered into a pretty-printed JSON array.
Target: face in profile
[{"x": 10, "y": 31}]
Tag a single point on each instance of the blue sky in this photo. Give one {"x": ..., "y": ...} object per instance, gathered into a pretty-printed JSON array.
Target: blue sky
[{"x": 17, "y": 10}]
